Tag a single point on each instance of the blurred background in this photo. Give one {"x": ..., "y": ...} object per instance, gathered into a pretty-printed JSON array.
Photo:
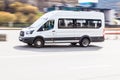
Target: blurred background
[{"x": 22, "y": 13}]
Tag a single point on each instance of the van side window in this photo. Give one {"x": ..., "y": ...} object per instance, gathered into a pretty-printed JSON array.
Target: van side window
[
  {"x": 47, "y": 26},
  {"x": 88, "y": 23},
  {"x": 65, "y": 23},
  {"x": 79, "y": 23}
]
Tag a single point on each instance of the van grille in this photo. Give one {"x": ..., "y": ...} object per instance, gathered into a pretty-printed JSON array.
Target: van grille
[{"x": 21, "y": 33}]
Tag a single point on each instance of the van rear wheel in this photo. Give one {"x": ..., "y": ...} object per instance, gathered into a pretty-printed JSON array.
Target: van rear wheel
[
  {"x": 38, "y": 43},
  {"x": 85, "y": 42}
]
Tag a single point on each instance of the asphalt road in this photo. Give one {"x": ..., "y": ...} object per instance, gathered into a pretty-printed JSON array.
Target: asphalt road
[{"x": 100, "y": 61}]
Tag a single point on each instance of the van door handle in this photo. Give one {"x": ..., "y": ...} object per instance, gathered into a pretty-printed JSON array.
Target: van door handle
[{"x": 53, "y": 31}]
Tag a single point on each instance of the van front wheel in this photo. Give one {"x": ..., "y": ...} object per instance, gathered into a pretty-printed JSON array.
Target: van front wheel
[
  {"x": 38, "y": 43},
  {"x": 85, "y": 42}
]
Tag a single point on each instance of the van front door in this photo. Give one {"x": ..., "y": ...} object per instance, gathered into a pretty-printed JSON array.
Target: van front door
[{"x": 46, "y": 31}]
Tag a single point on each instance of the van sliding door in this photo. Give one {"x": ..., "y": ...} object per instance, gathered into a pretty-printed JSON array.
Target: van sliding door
[{"x": 65, "y": 31}]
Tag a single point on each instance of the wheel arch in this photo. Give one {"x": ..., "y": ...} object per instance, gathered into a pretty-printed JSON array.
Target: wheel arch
[
  {"x": 40, "y": 37},
  {"x": 85, "y": 36}
]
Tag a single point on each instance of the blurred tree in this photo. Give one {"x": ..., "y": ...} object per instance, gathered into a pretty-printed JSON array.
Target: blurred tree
[
  {"x": 33, "y": 17},
  {"x": 6, "y": 7},
  {"x": 27, "y": 9},
  {"x": 23, "y": 1},
  {"x": 22, "y": 12},
  {"x": 24, "y": 8},
  {"x": 30, "y": 9},
  {"x": 6, "y": 17},
  {"x": 16, "y": 5},
  {"x": 40, "y": 14},
  {"x": 21, "y": 18},
  {"x": 2, "y": 5}
]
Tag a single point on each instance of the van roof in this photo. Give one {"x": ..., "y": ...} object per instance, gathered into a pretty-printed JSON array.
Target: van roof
[{"x": 63, "y": 13}]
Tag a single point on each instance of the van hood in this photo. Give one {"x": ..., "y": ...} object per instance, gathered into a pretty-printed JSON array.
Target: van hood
[{"x": 28, "y": 29}]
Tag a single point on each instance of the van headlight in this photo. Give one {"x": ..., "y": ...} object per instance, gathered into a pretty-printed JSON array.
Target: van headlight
[{"x": 29, "y": 32}]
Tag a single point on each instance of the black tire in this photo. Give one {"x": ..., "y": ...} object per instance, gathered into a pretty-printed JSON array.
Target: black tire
[
  {"x": 38, "y": 43},
  {"x": 73, "y": 44},
  {"x": 85, "y": 42},
  {"x": 29, "y": 44}
]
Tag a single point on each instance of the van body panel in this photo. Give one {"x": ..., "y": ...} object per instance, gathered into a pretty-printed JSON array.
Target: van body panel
[{"x": 88, "y": 23}]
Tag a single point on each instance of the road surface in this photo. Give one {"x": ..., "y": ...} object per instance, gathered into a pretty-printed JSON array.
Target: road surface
[{"x": 100, "y": 61}]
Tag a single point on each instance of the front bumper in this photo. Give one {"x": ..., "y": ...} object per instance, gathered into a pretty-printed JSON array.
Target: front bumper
[{"x": 27, "y": 39}]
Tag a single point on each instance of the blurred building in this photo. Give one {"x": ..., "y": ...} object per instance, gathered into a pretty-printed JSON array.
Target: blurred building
[{"x": 48, "y": 3}]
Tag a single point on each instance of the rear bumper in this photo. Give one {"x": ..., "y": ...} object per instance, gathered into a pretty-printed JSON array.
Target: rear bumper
[
  {"x": 97, "y": 39},
  {"x": 27, "y": 39}
]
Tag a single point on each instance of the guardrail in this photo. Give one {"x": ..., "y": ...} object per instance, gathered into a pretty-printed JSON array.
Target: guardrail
[
  {"x": 112, "y": 33},
  {"x": 10, "y": 24}
]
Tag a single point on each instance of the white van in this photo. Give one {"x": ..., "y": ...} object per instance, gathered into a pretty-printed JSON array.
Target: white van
[{"x": 72, "y": 27}]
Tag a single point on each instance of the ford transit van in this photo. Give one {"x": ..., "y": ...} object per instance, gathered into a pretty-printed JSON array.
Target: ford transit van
[{"x": 73, "y": 27}]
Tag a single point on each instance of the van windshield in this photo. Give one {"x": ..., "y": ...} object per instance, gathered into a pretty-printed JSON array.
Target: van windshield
[{"x": 38, "y": 22}]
